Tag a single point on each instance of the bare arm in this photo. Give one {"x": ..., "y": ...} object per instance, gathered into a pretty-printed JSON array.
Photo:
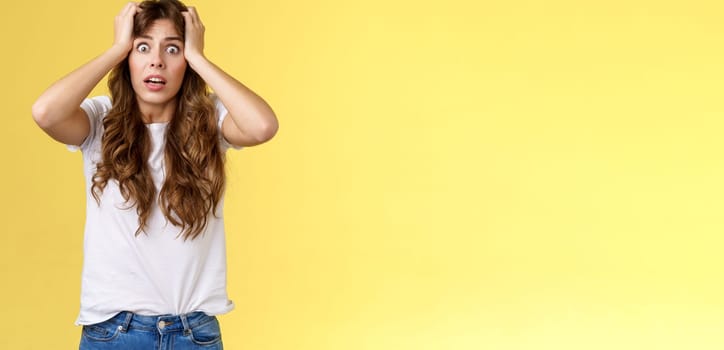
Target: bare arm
[
  {"x": 57, "y": 111},
  {"x": 251, "y": 120}
]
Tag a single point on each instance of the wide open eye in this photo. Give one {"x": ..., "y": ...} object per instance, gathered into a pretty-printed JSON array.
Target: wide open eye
[
  {"x": 172, "y": 50},
  {"x": 143, "y": 48}
]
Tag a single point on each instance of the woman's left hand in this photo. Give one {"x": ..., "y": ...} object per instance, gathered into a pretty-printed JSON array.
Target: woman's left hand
[{"x": 194, "y": 45}]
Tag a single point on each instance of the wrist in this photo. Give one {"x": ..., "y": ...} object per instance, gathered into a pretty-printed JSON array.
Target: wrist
[
  {"x": 195, "y": 59},
  {"x": 118, "y": 52}
]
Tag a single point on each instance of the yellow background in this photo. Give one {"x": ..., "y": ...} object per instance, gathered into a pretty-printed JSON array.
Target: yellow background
[{"x": 447, "y": 175}]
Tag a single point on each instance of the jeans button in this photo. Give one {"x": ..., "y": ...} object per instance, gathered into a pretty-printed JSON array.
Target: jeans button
[{"x": 161, "y": 324}]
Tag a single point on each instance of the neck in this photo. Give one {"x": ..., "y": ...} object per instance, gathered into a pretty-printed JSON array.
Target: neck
[{"x": 157, "y": 113}]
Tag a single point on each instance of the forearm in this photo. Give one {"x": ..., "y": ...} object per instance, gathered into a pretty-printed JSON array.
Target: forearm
[
  {"x": 62, "y": 99},
  {"x": 249, "y": 112}
]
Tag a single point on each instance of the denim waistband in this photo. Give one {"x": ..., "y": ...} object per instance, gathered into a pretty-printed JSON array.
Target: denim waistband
[{"x": 161, "y": 323}]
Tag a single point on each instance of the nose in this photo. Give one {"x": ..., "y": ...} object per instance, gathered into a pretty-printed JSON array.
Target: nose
[{"x": 157, "y": 61}]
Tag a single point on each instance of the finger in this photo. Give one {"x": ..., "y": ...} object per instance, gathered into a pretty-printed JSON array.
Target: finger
[
  {"x": 194, "y": 14},
  {"x": 134, "y": 9},
  {"x": 187, "y": 18},
  {"x": 127, "y": 8}
]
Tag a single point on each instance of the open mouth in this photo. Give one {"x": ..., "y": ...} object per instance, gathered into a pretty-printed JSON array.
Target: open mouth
[{"x": 155, "y": 81}]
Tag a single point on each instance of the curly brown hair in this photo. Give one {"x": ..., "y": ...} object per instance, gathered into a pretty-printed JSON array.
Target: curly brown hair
[{"x": 195, "y": 176}]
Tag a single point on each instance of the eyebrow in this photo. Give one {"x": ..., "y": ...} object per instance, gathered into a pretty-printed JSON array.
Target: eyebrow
[{"x": 168, "y": 38}]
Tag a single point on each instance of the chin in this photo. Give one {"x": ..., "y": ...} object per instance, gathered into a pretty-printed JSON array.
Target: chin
[{"x": 155, "y": 99}]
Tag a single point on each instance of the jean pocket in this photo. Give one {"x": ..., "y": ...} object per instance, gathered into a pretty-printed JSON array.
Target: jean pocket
[
  {"x": 206, "y": 334},
  {"x": 103, "y": 331}
]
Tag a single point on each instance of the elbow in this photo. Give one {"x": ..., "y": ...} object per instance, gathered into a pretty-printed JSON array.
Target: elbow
[
  {"x": 40, "y": 114},
  {"x": 266, "y": 131},
  {"x": 257, "y": 134},
  {"x": 269, "y": 130}
]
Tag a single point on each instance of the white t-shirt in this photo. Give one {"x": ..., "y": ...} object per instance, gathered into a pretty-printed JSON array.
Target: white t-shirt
[{"x": 155, "y": 272}]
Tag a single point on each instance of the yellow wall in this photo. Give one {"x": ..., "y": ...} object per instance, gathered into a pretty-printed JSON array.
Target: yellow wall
[{"x": 448, "y": 175}]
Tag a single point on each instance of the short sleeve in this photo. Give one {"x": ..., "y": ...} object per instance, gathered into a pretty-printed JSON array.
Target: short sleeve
[
  {"x": 221, "y": 114},
  {"x": 96, "y": 109}
]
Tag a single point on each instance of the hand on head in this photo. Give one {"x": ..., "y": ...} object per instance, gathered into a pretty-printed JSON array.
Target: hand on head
[
  {"x": 194, "y": 35},
  {"x": 194, "y": 45},
  {"x": 123, "y": 27}
]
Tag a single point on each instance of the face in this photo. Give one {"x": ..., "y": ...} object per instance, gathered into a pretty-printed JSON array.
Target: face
[{"x": 157, "y": 64}]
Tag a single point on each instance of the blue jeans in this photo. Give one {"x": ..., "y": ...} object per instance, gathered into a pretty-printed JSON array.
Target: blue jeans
[{"x": 127, "y": 330}]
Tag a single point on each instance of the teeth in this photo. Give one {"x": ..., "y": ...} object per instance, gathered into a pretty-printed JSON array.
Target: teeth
[{"x": 155, "y": 80}]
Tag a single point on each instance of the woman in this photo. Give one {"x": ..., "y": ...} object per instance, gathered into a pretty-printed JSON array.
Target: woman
[{"x": 154, "y": 269}]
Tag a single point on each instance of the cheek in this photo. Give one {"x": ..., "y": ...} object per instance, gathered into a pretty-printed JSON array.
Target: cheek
[
  {"x": 182, "y": 65},
  {"x": 134, "y": 66},
  {"x": 179, "y": 70}
]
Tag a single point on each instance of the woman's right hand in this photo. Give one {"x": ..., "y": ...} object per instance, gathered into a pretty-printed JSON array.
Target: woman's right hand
[
  {"x": 124, "y": 27},
  {"x": 57, "y": 111}
]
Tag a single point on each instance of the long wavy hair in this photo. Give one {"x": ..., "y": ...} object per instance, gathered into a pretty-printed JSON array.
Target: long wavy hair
[{"x": 194, "y": 163}]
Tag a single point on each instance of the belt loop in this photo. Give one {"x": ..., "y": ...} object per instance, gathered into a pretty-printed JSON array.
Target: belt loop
[
  {"x": 126, "y": 322},
  {"x": 187, "y": 328}
]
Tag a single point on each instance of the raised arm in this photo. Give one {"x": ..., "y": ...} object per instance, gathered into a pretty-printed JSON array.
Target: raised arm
[
  {"x": 251, "y": 120},
  {"x": 57, "y": 111}
]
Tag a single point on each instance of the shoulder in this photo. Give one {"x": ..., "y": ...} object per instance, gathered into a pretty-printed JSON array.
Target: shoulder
[
  {"x": 221, "y": 114},
  {"x": 219, "y": 107},
  {"x": 96, "y": 107}
]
